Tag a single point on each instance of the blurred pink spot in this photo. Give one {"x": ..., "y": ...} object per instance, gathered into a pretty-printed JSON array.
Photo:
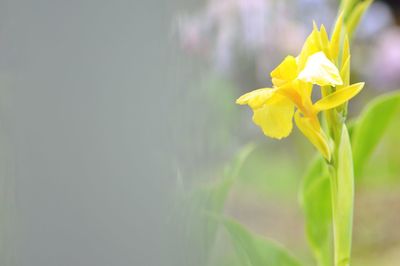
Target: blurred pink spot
[{"x": 386, "y": 58}]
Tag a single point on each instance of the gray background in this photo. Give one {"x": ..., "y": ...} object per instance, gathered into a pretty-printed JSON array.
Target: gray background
[{"x": 86, "y": 120}]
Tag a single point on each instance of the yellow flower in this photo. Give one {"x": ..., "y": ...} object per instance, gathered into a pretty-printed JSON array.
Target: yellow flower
[
  {"x": 273, "y": 112},
  {"x": 293, "y": 79}
]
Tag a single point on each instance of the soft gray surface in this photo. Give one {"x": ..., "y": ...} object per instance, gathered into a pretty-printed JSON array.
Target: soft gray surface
[{"x": 86, "y": 117}]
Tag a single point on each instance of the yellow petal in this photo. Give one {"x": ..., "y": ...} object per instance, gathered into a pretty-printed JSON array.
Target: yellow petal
[
  {"x": 305, "y": 90},
  {"x": 336, "y": 37},
  {"x": 324, "y": 41},
  {"x": 291, "y": 91},
  {"x": 339, "y": 97},
  {"x": 298, "y": 92},
  {"x": 346, "y": 50},
  {"x": 314, "y": 134},
  {"x": 321, "y": 71},
  {"x": 317, "y": 36},
  {"x": 256, "y": 98},
  {"x": 311, "y": 46},
  {"x": 345, "y": 72},
  {"x": 285, "y": 71},
  {"x": 275, "y": 119}
]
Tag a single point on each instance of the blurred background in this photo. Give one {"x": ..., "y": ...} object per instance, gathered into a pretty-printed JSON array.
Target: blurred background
[{"x": 119, "y": 131}]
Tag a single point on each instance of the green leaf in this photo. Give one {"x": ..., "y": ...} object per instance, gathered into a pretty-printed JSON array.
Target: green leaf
[
  {"x": 208, "y": 201},
  {"x": 347, "y": 6},
  {"x": 315, "y": 197},
  {"x": 218, "y": 192},
  {"x": 343, "y": 201},
  {"x": 356, "y": 15},
  {"x": 256, "y": 250},
  {"x": 205, "y": 201},
  {"x": 370, "y": 127}
]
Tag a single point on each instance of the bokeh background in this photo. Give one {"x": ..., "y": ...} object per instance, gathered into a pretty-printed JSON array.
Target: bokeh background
[{"x": 117, "y": 123}]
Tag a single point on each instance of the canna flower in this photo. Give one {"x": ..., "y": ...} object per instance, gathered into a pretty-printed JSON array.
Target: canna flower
[{"x": 290, "y": 97}]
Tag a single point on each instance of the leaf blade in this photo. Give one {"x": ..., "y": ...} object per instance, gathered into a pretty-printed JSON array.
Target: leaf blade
[
  {"x": 315, "y": 197},
  {"x": 355, "y": 16},
  {"x": 370, "y": 127},
  {"x": 259, "y": 251}
]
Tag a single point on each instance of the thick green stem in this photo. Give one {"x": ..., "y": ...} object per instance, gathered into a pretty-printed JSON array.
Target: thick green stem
[
  {"x": 341, "y": 165},
  {"x": 334, "y": 201},
  {"x": 334, "y": 183},
  {"x": 342, "y": 191}
]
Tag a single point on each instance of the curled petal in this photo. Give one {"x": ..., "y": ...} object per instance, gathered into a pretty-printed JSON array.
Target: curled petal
[
  {"x": 285, "y": 72},
  {"x": 339, "y": 97},
  {"x": 275, "y": 118},
  {"x": 257, "y": 98},
  {"x": 313, "y": 132},
  {"x": 321, "y": 71}
]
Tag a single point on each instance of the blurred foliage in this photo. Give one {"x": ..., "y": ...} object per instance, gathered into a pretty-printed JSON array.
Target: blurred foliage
[
  {"x": 257, "y": 171},
  {"x": 254, "y": 250},
  {"x": 370, "y": 127},
  {"x": 315, "y": 197},
  {"x": 269, "y": 174}
]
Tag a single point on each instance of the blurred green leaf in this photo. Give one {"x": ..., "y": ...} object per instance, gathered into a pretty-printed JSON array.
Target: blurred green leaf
[
  {"x": 210, "y": 200},
  {"x": 269, "y": 174},
  {"x": 346, "y": 6},
  {"x": 344, "y": 201},
  {"x": 315, "y": 196},
  {"x": 255, "y": 250},
  {"x": 218, "y": 192},
  {"x": 370, "y": 127},
  {"x": 355, "y": 16}
]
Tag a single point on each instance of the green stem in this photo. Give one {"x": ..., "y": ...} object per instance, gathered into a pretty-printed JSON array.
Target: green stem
[
  {"x": 342, "y": 192},
  {"x": 334, "y": 201},
  {"x": 334, "y": 186}
]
